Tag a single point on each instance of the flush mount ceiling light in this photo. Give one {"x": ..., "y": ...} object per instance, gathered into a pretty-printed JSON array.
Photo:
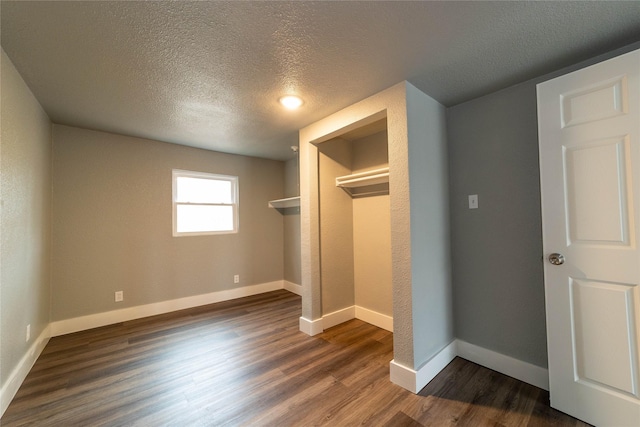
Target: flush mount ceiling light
[{"x": 291, "y": 102}]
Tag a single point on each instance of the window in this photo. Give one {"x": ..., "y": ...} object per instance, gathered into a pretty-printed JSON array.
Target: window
[{"x": 204, "y": 203}]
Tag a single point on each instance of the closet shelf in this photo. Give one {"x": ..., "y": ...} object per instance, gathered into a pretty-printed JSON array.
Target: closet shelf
[
  {"x": 289, "y": 202},
  {"x": 363, "y": 179}
]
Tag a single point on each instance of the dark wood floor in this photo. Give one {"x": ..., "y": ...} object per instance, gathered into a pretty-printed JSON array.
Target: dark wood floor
[{"x": 244, "y": 362}]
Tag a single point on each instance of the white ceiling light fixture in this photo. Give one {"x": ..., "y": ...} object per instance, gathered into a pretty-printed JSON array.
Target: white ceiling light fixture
[{"x": 291, "y": 102}]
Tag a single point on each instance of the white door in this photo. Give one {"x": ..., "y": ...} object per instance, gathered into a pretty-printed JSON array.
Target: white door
[{"x": 589, "y": 130}]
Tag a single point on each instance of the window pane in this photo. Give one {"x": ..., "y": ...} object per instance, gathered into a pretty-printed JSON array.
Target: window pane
[
  {"x": 200, "y": 190},
  {"x": 199, "y": 218}
]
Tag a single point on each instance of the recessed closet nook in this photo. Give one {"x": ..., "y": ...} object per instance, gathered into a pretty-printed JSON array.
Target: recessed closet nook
[
  {"x": 355, "y": 227},
  {"x": 374, "y": 214}
]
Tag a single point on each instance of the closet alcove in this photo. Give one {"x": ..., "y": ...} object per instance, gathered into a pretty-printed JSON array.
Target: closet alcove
[
  {"x": 355, "y": 227},
  {"x": 350, "y": 265}
]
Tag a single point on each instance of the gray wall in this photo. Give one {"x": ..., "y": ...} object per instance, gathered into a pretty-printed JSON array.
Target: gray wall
[
  {"x": 25, "y": 222},
  {"x": 430, "y": 248},
  {"x": 112, "y": 224},
  {"x": 291, "y": 183},
  {"x": 291, "y": 218},
  {"x": 497, "y": 249}
]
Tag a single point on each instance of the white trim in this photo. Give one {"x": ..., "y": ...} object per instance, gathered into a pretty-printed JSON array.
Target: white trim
[
  {"x": 437, "y": 363},
  {"x": 292, "y": 287},
  {"x": 373, "y": 317},
  {"x": 402, "y": 376},
  {"x": 235, "y": 200},
  {"x": 523, "y": 371},
  {"x": 310, "y": 327},
  {"x": 82, "y": 323},
  {"x": 405, "y": 377},
  {"x": 340, "y": 316},
  {"x": 414, "y": 381},
  {"x": 330, "y": 320},
  {"x": 20, "y": 372}
]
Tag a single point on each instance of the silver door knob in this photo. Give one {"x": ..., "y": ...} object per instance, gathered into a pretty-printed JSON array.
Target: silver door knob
[{"x": 556, "y": 259}]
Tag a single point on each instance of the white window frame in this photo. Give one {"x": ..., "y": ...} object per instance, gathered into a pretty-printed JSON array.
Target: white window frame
[{"x": 178, "y": 173}]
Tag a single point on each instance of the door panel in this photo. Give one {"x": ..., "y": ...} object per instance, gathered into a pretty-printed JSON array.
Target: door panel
[
  {"x": 596, "y": 185},
  {"x": 604, "y": 336},
  {"x": 603, "y": 100},
  {"x": 589, "y": 129}
]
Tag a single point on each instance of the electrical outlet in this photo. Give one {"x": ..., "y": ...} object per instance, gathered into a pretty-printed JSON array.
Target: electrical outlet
[
  {"x": 236, "y": 278},
  {"x": 28, "y": 333},
  {"x": 119, "y": 296}
]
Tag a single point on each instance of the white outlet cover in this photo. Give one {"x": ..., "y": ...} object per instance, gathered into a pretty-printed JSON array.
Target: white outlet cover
[{"x": 119, "y": 296}]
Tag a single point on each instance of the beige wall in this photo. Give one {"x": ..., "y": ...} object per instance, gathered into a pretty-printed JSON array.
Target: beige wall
[
  {"x": 291, "y": 218},
  {"x": 112, "y": 219},
  {"x": 355, "y": 232},
  {"x": 25, "y": 226},
  {"x": 372, "y": 231},
  {"x": 336, "y": 228}
]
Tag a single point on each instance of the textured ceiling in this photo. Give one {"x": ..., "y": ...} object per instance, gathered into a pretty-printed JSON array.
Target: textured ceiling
[{"x": 208, "y": 74}]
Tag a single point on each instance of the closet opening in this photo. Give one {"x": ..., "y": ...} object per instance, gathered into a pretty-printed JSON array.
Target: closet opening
[
  {"x": 355, "y": 227},
  {"x": 358, "y": 260}
]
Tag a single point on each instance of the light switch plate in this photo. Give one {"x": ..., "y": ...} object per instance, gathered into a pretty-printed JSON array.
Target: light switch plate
[{"x": 473, "y": 201}]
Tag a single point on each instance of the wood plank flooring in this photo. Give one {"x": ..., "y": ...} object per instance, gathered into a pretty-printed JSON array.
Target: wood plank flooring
[{"x": 244, "y": 363}]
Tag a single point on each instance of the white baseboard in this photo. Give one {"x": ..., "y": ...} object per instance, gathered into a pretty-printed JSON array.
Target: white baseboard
[
  {"x": 292, "y": 287},
  {"x": 76, "y": 324},
  {"x": 523, "y": 371},
  {"x": 67, "y": 326},
  {"x": 414, "y": 381},
  {"x": 405, "y": 377},
  {"x": 310, "y": 327},
  {"x": 377, "y": 319},
  {"x": 402, "y": 376},
  {"x": 344, "y": 315},
  {"x": 340, "y": 316},
  {"x": 20, "y": 372}
]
